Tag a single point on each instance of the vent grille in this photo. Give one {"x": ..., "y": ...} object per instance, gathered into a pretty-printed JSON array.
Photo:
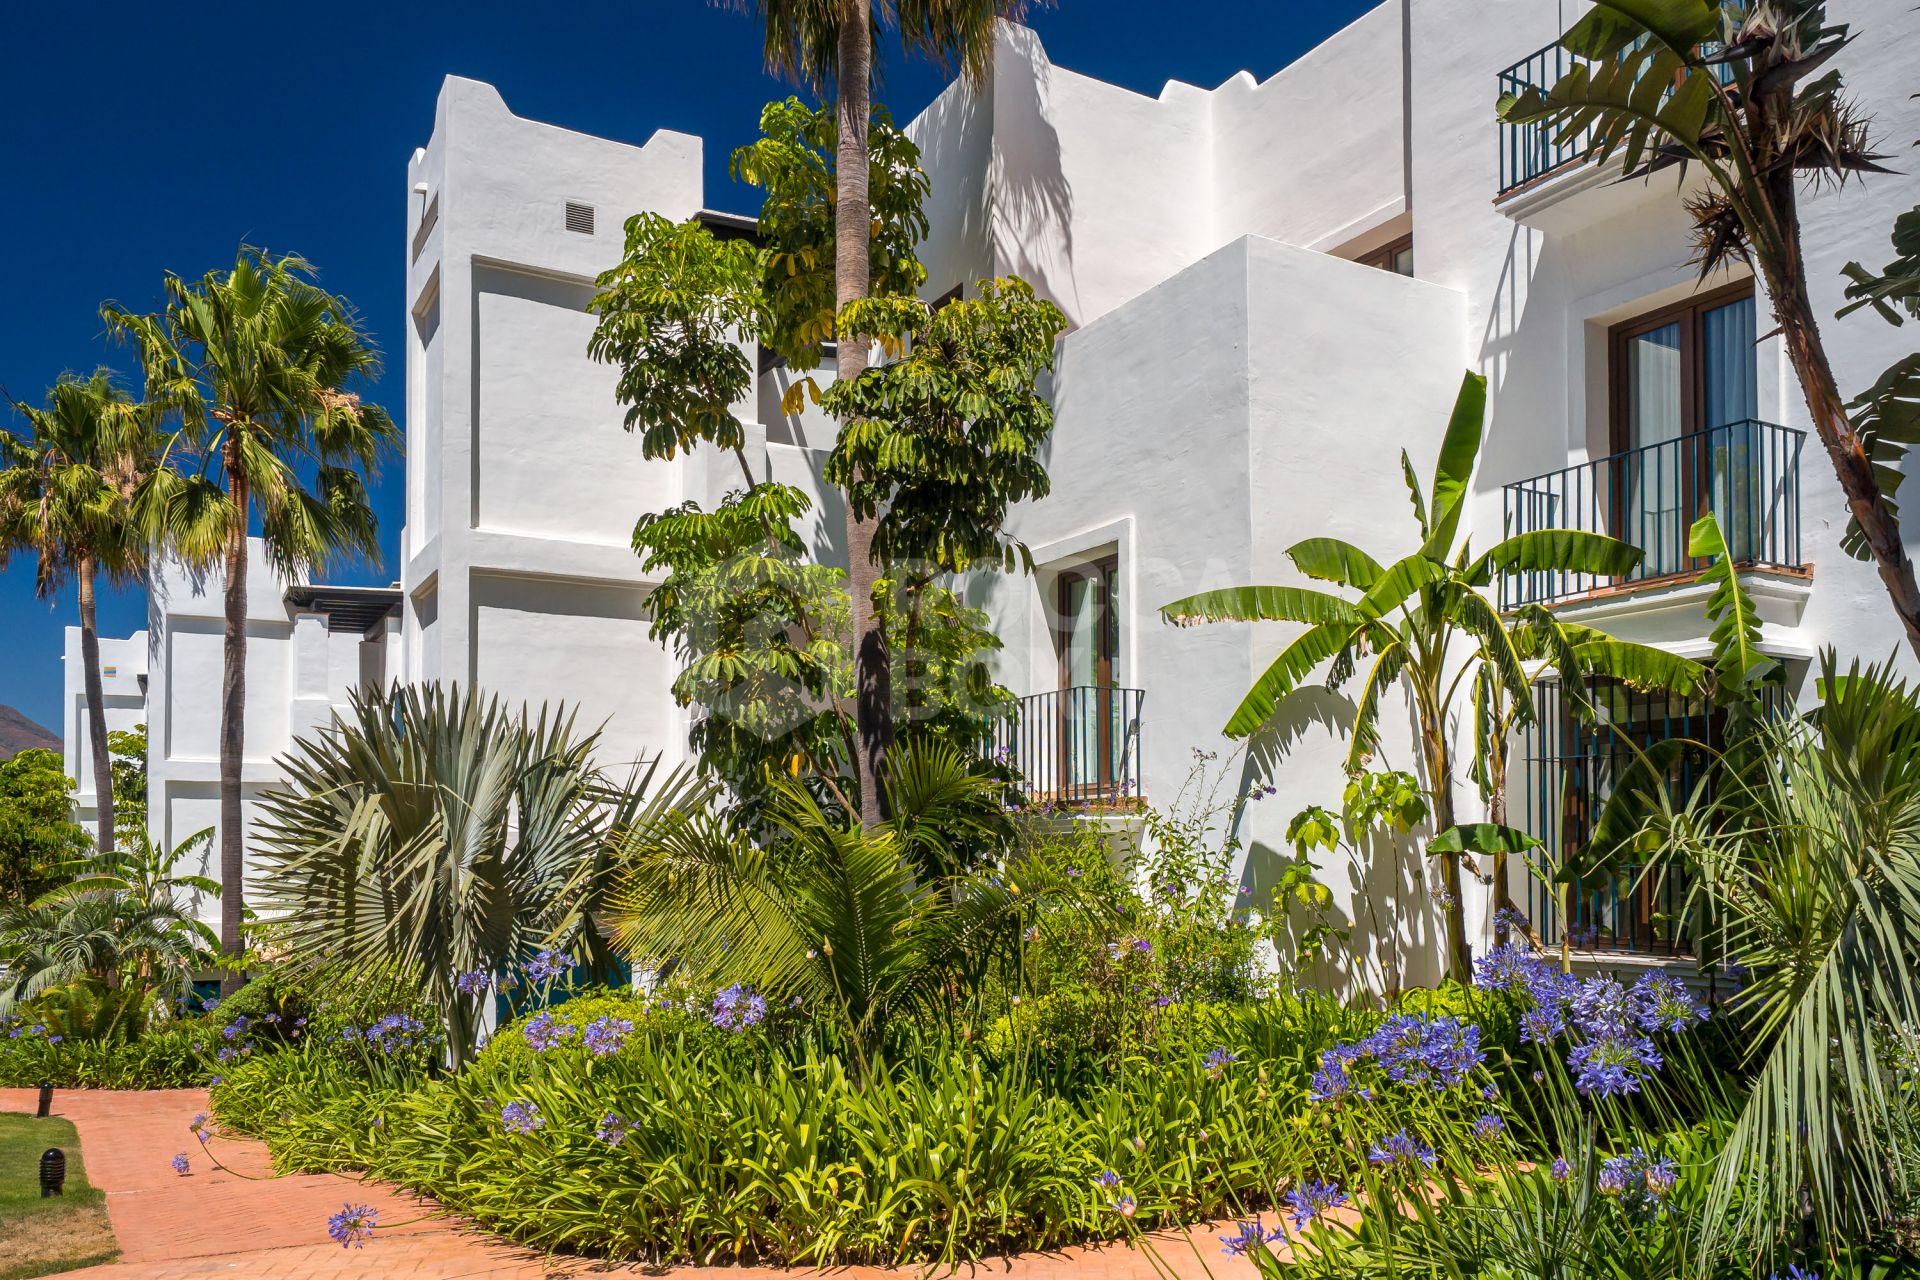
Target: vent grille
[{"x": 580, "y": 218}]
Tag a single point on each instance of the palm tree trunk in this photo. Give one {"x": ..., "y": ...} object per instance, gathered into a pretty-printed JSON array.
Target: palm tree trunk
[
  {"x": 233, "y": 713},
  {"x": 96, "y": 708},
  {"x": 1786, "y": 277},
  {"x": 853, "y": 219}
]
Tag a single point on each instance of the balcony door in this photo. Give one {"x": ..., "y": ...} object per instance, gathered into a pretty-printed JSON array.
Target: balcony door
[
  {"x": 1088, "y": 639},
  {"x": 1684, "y": 397}
]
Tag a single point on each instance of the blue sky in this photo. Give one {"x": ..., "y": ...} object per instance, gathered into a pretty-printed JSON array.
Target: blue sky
[{"x": 147, "y": 138}]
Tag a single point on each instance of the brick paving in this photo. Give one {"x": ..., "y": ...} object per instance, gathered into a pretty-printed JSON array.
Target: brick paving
[{"x": 212, "y": 1223}]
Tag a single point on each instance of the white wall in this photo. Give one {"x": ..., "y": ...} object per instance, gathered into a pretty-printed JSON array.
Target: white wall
[{"x": 123, "y": 677}]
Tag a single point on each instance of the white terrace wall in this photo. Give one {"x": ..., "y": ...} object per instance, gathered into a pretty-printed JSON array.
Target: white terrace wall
[{"x": 123, "y": 686}]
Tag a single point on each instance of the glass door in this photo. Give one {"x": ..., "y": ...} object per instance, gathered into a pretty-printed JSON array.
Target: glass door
[{"x": 1089, "y": 644}]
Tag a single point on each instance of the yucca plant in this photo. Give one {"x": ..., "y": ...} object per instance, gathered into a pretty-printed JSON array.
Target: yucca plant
[
  {"x": 1415, "y": 622},
  {"x": 1748, "y": 94},
  {"x": 438, "y": 832}
]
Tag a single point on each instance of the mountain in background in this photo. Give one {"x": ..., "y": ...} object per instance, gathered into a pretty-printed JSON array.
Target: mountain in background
[{"x": 17, "y": 733}]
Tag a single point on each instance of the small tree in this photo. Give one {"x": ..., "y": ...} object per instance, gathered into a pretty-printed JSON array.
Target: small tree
[
  {"x": 1746, "y": 92},
  {"x": 38, "y": 836}
]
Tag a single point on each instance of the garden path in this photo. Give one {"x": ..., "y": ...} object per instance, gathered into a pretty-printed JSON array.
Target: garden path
[{"x": 213, "y": 1223}]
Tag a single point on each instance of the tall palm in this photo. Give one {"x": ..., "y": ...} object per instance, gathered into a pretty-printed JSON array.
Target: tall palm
[
  {"x": 66, "y": 490},
  {"x": 260, "y": 365},
  {"x": 1423, "y": 619},
  {"x": 862, "y": 924},
  {"x": 822, "y": 43},
  {"x": 437, "y": 833},
  {"x": 1745, "y": 91}
]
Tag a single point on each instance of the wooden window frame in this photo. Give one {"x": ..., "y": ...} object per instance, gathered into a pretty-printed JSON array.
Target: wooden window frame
[
  {"x": 1383, "y": 256},
  {"x": 1105, "y": 570},
  {"x": 1691, "y": 312}
]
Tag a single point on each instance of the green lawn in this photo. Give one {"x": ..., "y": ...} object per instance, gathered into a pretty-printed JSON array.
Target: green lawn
[{"x": 40, "y": 1237}]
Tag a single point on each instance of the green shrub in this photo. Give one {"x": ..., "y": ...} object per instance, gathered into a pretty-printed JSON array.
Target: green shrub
[{"x": 176, "y": 1057}]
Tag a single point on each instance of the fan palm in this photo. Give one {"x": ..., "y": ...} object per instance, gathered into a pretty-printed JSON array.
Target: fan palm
[
  {"x": 66, "y": 495},
  {"x": 822, "y": 43},
  {"x": 437, "y": 833},
  {"x": 259, "y": 364},
  {"x": 1745, "y": 91},
  {"x": 1422, "y": 618},
  {"x": 867, "y": 923}
]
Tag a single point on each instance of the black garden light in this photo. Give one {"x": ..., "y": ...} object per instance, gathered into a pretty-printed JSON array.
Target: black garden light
[
  {"x": 45, "y": 1108},
  {"x": 53, "y": 1172}
]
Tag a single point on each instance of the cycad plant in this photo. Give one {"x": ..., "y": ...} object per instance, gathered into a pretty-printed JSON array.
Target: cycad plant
[
  {"x": 863, "y": 926},
  {"x": 1748, "y": 93},
  {"x": 261, "y": 366},
  {"x": 1421, "y": 621},
  {"x": 66, "y": 497},
  {"x": 439, "y": 833}
]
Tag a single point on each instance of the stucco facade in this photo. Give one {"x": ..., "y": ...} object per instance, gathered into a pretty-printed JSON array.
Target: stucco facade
[{"x": 1234, "y": 379}]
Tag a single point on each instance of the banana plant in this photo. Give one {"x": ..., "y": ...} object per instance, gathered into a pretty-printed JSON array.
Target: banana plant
[
  {"x": 1422, "y": 621},
  {"x": 1744, "y": 91}
]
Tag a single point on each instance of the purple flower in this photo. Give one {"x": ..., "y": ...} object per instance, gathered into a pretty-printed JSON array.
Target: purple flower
[
  {"x": 521, "y": 1118},
  {"x": 1795, "y": 1272},
  {"x": 738, "y": 1007},
  {"x": 544, "y": 1032},
  {"x": 1108, "y": 1180},
  {"x": 548, "y": 965},
  {"x": 1217, "y": 1062},
  {"x": 1562, "y": 1172},
  {"x": 1124, "y": 1205},
  {"x": 1638, "y": 1181},
  {"x": 1401, "y": 1148},
  {"x": 1488, "y": 1127},
  {"x": 1511, "y": 918},
  {"x": 1251, "y": 1235},
  {"x": 198, "y": 1122},
  {"x": 1609, "y": 1068},
  {"x": 1661, "y": 1002},
  {"x": 1307, "y": 1201},
  {"x": 604, "y": 1035},
  {"x": 474, "y": 983},
  {"x": 180, "y": 1165},
  {"x": 353, "y": 1225},
  {"x": 613, "y": 1129},
  {"x": 1414, "y": 1049}
]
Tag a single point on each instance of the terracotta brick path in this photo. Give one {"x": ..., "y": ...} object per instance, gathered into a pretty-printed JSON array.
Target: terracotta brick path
[{"x": 212, "y": 1223}]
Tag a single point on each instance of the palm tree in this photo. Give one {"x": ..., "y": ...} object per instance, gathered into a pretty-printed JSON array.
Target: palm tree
[
  {"x": 66, "y": 491},
  {"x": 863, "y": 924},
  {"x": 1423, "y": 619},
  {"x": 434, "y": 833},
  {"x": 259, "y": 364},
  {"x": 1738, "y": 95},
  {"x": 125, "y": 926},
  {"x": 821, "y": 43}
]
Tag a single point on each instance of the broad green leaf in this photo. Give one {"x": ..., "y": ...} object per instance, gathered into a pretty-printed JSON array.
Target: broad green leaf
[
  {"x": 1284, "y": 673},
  {"x": 1386, "y": 668},
  {"x": 1453, "y": 472},
  {"x": 1562, "y": 550},
  {"x": 1738, "y": 663},
  {"x": 1260, "y": 604},
  {"x": 1404, "y": 577},
  {"x": 1331, "y": 560},
  {"x": 1483, "y": 838},
  {"x": 1614, "y": 25},
  {"x": 1413, "y": 493}
]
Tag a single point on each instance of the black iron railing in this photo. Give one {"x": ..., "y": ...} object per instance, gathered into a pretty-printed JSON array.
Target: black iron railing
[
  {"x": 1078, "y": 746},
  {"x": 1531, "y": 151},
  {"x": 1746, "y": 473},
  {"x": 1568, "y": 767}
]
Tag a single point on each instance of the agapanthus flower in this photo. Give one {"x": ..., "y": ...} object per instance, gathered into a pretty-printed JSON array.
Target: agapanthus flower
[
  {"x": 1795, "y": 1271},
  {"x": 235, "y": 1029},
  {"x": 474, "y": 983},
  {"x": 198, "y": 1122},
  {"x": 1511, "y": 918},
  {"x": 613, "y": 1129},
  {"x": 1251, "y": 1234},
  {"x": 521, "y": 1118},
  {"x": 544, "y": 1032},
  {"x": 1414, "y": 1049},
  {"x": 548, "y": 965},
  {"x": 606, "y": 1035},
  {"x": 1504, "y": 966},
  {"x": 1218, "y": 1061},
  {"x": 180, "y": 1164},
  {"x": 1661, "y": 1002},
  {"x": 738, "y": 1007},
  {"x": 1561, "y": 1171},
  {"x": 1107, "y": 1180},
  {"x": 1124, "y": 1204},
  {"x": 1402, "y": 1148},
  {"x": 1308, "y": 1200},
  {"x": 353, "y": 1225},
  {"x": 1608, "y": 1068},
  {"x": 1488, "y": 1127},
  {"x": 1332, "y": 1081},
  {"x": 1638, "y": 1181}
]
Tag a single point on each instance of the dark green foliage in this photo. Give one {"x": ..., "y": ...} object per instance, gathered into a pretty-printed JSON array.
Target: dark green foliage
[{"x": 38, "y": 836}]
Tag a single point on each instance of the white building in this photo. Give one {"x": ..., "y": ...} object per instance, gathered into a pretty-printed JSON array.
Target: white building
[{"x": 1240, "y": 374}]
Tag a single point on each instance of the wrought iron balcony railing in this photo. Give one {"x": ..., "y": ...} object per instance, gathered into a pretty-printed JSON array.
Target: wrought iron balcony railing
[
  {"x": 1077, "y": 747},
  {"x": 1746, "y": 473},
  {"x": 1532, "y": 151}
]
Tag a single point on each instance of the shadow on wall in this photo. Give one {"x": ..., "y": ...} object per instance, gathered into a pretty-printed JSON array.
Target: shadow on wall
[{"x": 1523, "y": 376}]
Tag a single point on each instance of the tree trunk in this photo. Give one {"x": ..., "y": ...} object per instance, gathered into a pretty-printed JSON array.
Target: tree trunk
[
  {"x": 1785, "y": 271},
  {"x": 1440, "y": 781},
  {"x": 233, "y": 712},
  {"x": 853, "y": 219},
  {"x": 96, "y": 708}
]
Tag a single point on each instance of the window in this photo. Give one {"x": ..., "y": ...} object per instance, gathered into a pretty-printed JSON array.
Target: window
[
  {"x": 1092, "y": 714},
  {"x": 1396, "y": 256},
  {"x": 1684, "y": 392}
]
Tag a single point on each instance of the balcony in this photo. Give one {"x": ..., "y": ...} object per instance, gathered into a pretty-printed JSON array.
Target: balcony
[
  {"x": 1530, "y": 153},
  {"x": 1076, "y": 748},
  {"x": 1746, "y": 473}
]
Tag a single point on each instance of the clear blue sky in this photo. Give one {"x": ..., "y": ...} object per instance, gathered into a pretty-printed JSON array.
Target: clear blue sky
[{"x": 144, "y": 138}]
